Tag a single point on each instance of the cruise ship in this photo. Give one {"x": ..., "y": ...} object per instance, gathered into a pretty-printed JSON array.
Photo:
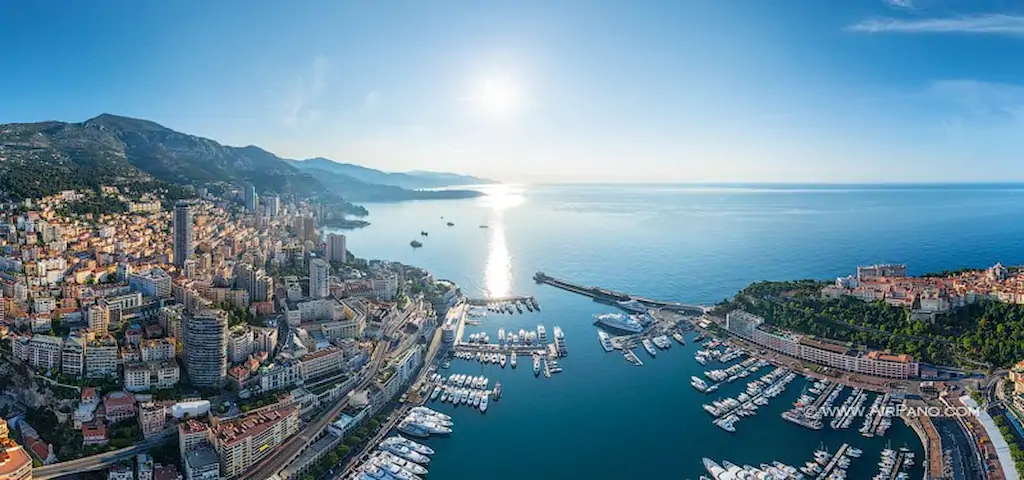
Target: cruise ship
[
  {"x": 542, "y": 334},
  {"x": 618, "y": 321},
  {"x": 606, "y": 340},
  {"x": 632, "y": 306}
]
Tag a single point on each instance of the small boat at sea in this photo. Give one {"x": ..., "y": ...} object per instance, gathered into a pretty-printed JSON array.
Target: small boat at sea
[{"x": 416, "y": 244}]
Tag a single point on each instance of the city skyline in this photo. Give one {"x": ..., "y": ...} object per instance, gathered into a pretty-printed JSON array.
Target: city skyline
[{"x": 877, "y": 91}]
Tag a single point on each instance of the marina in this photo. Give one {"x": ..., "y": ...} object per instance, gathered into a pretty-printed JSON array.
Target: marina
[{"x": 596, "y": 382}]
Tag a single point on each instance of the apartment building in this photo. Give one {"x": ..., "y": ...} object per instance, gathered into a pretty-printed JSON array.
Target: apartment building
[{"x": 243, "y": 442}]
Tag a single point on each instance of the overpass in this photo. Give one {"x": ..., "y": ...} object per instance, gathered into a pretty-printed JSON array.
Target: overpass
[{"x": 98, "y": 461}]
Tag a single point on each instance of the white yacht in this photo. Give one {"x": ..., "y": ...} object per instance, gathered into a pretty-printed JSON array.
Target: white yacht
[
  {"x": 536, "y": 365},
  {"x": 513, "y": 359},
  {"x": 618, "y": 321},
  {"x": 483, "y": 403},
  {"x": 606, "y": 340},
  {"x": 714, "y": 469},
  {"x": 649, "y": 347},
  {"x": 542, "y": 334},
  {"x": 412, "y": 467},
  {"x": 502, "y": 360},
  {"x": 407, "y": 453},
  {"x": 400, "y": 440},
  {"x": 431, "y": 412}
]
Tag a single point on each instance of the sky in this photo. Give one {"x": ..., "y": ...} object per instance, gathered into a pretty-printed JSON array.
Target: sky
[{"x": 550, "y": 91}]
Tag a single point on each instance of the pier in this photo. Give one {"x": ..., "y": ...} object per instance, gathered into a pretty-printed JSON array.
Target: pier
[
  {"x": 483, "y": 302},
  {"x": 901, "y": 457},
  {"x": 833, "y": 462},
  {"x": 610, "y": 296}
]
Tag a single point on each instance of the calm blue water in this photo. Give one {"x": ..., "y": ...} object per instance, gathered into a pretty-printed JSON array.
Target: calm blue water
[{"x": 601, "y": 417}]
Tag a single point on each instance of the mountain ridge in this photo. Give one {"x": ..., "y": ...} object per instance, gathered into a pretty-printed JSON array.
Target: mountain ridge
[{"x": 42, "y": 158}]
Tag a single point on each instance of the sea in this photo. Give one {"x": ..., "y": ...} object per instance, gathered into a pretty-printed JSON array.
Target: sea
[{"x": 605, "y": 418}]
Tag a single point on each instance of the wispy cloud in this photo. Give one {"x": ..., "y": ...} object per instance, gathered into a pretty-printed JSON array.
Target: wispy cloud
[
  {"x": 982, "y": 100},
  {"x": 988, "y": 24},
  {"x": 905, "y": 4},
  {"x": 298, "y": 102},
  {"x": 370, "y": 101}
]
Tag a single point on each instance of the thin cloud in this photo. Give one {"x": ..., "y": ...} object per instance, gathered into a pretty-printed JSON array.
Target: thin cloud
[
  {"x": 305, "y": 89},
  {"x": 370, "y": 101},
  {"x": 988, "y": 24},
  {"x": 980, "y": 99},
  {"x": 904, "y": 4}
]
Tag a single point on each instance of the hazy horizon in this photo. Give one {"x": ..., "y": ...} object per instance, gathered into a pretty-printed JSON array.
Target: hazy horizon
[{"x": 880, "y": 91}]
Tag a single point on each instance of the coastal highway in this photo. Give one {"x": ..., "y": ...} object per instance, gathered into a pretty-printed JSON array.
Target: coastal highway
[
  {"x": 291, "y": 449},
  {"x": 96, "y": 462}
]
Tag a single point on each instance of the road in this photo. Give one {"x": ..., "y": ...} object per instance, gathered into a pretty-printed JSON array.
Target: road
[
  {"x": 291, "y": 449},
  {"x": 96, "y": 462},
  {"x": 394, "y": 417}
]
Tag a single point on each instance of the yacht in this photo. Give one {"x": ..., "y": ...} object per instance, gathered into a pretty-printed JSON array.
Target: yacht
[
  {"x": 649, "y": 347},
  {"x": 716, "y": 471},
  {"x": 618, "y": 321},
  {"x": 483, "y": 403},
  {"x": 606, "y": 340},
  {"x": 501, "y": 336},
  {"x": 632, "y": 306},
  {"x": 679, "y": 338},
  {"x": 536, "y": 365},
  {"x": 405, "y": 452},
  {"x": 560, "y": 342},
  {"x": 513, "y": 359},
  {"x": 497, "y": 390},
  {"x": 434, "y": 394},
  {"x": 412, "y": 467},
  {"x": 502, "y": 360},
  {"x": 431, "y": 412},
  {"x": 417, "y": 447},
  {"x": 374, "y": 472},
  {"x": 542, "y": 334}
]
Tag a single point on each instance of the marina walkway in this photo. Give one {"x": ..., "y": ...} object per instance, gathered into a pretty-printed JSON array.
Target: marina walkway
[{"x": 833, "y": 462}]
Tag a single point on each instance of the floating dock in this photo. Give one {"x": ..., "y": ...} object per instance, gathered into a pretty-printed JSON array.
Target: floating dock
[{"x": 833, "y": 462}]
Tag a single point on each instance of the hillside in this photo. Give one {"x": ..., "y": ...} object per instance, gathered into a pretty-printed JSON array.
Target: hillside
[
  {"x": 410, "y": 180},
  {"x": 38, "y": 159}
]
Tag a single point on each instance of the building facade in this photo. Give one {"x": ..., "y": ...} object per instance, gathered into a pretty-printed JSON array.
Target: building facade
[{"x": 206, "y": 348}]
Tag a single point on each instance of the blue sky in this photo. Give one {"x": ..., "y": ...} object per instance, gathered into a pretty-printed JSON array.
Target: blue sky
[{"x": 831, "y": 91}]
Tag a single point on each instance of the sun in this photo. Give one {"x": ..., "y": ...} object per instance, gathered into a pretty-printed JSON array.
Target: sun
[{"x": 498, "y": 96}]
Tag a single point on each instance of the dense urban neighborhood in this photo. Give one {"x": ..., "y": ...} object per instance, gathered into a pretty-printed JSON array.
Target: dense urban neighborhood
[{"x": 149, "y": 336}]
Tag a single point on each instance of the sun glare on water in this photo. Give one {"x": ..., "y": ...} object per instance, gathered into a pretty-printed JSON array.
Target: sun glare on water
[{"x": 498, "y": 273}]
